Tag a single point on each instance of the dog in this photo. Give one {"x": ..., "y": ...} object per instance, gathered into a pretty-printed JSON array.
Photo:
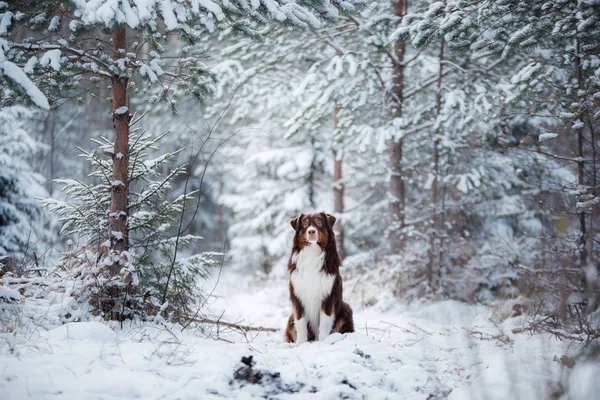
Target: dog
[{"x": 315, "y": 281}]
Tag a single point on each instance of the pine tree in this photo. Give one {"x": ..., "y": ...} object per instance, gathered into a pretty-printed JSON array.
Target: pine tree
[{"x": 154, "y": 275}]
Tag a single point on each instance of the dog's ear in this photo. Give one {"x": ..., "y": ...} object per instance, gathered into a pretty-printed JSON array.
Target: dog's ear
[
  {"x": 296, "y": 222},
  {"x": 330, "y": 218}
]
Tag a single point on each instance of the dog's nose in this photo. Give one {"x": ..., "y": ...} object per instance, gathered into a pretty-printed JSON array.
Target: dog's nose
[{"x": 312, "y": 231}]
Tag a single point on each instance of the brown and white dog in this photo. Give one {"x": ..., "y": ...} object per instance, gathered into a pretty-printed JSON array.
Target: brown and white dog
[{"x": 315, "y": 281}]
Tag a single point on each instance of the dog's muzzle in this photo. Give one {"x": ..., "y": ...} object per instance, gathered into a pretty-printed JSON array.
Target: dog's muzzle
[{"x": 312, "y": 235}]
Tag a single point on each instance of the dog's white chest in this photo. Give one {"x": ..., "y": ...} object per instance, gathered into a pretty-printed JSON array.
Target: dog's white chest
[{"x": 311, "y": 285}]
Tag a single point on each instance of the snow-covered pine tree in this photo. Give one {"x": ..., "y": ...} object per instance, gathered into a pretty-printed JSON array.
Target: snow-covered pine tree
[
  {"x": 21, "y": 217},
  {"x": 155, "y": 275}
]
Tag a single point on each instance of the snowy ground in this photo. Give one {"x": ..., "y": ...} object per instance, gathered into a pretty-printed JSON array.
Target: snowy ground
[{"x": 431, "y": 351}]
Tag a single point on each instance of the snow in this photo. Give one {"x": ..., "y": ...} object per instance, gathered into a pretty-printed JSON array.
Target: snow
[
  {"x": 273, "y": 8},
  {"x": 166, "y": 8},
  {"x": 74, "y": 25},
  {"x": 9, "y": 294},
  {"x": 146, "y": 71},
  {"x": 588, "y": 203},
  {"x": 14, "y": 73},
  {"x": 31, "y": 63},
  {"x": 547, "y": 136},
  {"x": 117, "y": 214},
  {"x": 54, "y": 24},
  {"x": 89, "y": 331},
  {"x": 121, "y": 110},
  {"x": 210, "y": 6},
  {"x": 5, "y": 23},
  {"x": 52, "y": 58},
  {"x": 398, "y": 351},
  {"x": 584, "y": 381},
  {"x": 577, "y": 125},
  {"x": 526, "y": 73}
]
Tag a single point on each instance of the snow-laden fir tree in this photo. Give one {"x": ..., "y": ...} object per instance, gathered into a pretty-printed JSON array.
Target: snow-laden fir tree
[{"x": 157, "y": 274}]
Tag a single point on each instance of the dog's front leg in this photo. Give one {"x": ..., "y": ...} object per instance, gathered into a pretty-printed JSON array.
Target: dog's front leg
[
  {"x": 301, "y": 330},
  {"x": 300, "y": 321},
  {"x": 328, "y": 306},
  {"x": 325, "y": 325}
]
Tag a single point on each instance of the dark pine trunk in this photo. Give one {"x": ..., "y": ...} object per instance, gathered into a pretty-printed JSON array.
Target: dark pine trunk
[
  {"x": 220, "y": 222},
  {"x": 434, "y": 186},
  {"x": 582, "y": 242},
  {"x": 118, "y": 208},
  {"x": 338, "y": 194},
  {"x": 397, "y": 189}
]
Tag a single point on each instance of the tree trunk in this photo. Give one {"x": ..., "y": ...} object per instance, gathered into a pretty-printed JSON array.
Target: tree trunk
[
  {"x": 591, "y": 233},
  {"x": 538, "y": 198},
  {"x": 338, "y": 193},
  {"x": 397, "y": 189},
  {"x": 580, "y": 169},
  {"x": 310, "y": 180},
  {"x": 580, "y": 181},
  {"x": 120, "y": 186},
  {"x": 52, "y": 117},
  {"x": 220, "y": 222},
  {"x": 434, "y": 186}
]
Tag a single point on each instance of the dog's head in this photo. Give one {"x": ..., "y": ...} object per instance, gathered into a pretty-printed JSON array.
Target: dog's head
[{"x": 313, "y": 229}]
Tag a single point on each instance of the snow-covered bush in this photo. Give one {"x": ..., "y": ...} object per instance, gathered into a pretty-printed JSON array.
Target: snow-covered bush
[{"x": 153, "y": 276}]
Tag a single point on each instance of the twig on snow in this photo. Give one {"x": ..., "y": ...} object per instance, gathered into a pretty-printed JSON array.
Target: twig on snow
[{"x": 242, "y": 328}]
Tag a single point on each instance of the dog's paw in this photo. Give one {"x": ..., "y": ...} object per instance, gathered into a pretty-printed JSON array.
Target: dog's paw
[
  {"x": 301, "y": 340},
  {"x": 333, "y": 338}
]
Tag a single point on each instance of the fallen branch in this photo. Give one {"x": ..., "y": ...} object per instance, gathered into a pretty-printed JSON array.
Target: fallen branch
[
  {"x": 556, "y": 333},
  {"x": 550, "y": 324},
  {"x": 243, "y": 328},
  {"x": 488, "y": 336}
]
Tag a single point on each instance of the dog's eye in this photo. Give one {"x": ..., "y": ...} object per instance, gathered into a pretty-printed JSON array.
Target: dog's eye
[
  {"x": 305, "y": 223},
  {"x": 319, "y": 222}
]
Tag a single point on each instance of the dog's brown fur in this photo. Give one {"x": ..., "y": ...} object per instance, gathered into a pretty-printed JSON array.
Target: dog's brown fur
[{"x": 333, "y": 303}]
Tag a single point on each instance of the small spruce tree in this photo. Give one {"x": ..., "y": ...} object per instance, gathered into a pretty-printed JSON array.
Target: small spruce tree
[{"x": 153, "y": 278}]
